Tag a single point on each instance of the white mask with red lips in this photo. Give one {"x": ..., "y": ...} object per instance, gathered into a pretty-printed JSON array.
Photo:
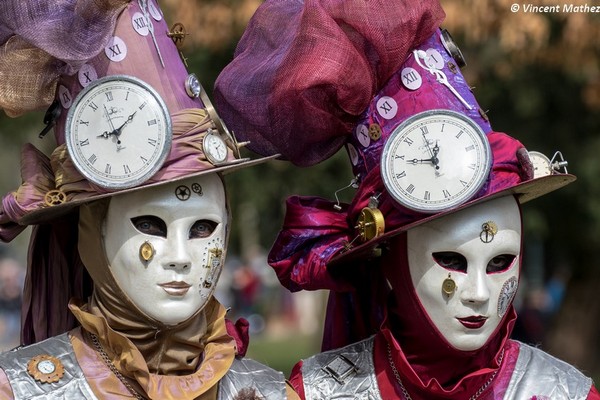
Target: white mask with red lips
[
  {"x": 484, "y": 265},
  {"x": 186, "y": 224}
]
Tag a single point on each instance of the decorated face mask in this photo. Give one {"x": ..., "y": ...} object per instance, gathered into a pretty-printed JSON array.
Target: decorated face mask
[
  {"x": 465, "y": 270},
  {"x": 165, "y": 246}
]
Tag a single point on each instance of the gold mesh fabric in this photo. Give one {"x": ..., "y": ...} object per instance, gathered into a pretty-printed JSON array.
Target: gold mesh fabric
[{"x": 28, "y": 77}]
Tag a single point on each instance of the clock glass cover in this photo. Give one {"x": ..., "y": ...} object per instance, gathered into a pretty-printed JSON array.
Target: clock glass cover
[
  {"x": 118, "y": 132},
  {"x": 435, "y": 160}
]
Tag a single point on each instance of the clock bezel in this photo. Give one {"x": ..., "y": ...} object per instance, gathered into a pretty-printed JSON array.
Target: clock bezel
[
  {"x": 159, "y": 161},
  {"x": 455, "y": 201}
]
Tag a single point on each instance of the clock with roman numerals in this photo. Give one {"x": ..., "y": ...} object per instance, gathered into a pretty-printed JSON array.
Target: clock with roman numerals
[
  {"x": 118, "y": 132},
  {"x": 435, "y": 160}
]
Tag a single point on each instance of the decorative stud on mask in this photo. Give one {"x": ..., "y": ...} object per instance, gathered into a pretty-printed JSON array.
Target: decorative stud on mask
[
  {"x": 146, "y": 251},
  {"x": 488, "y": 231},
  {"x": 448, "y": 286}
]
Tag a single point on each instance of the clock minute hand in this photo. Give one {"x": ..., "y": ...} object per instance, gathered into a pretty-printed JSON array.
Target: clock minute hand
[
  {"x": 427, "y": 145},
  {"x": 117, "y": 131},
  {"x": 434, "y": 159}
]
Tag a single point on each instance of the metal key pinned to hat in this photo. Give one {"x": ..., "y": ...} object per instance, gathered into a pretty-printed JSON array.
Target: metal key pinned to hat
[
  {"x": 144, "y": 7},
  {"x": 440, "y": 76}
]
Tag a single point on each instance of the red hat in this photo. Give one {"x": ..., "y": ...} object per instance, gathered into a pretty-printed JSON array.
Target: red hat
[{"x": 382, "y": 79}]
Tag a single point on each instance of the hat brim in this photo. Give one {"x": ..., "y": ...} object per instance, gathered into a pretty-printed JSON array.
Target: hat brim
[
  {"x": 49, "y": 213},
  {"x": 524, "y": 192}
]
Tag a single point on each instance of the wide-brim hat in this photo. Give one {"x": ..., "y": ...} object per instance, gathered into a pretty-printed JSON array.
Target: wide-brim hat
[
  {"x": 522, "y": 192},
  {"x": 72, "y": 59},
  {"x": 356, "y": 75}
]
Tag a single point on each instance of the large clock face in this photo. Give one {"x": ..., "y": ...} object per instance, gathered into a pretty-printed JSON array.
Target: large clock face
[
  {"x": 118, "y": 132},
  {"x": 435, "y": 160}
]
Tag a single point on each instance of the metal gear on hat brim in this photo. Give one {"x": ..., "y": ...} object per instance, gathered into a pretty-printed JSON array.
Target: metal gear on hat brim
[
  {"x": 49, "y": 213},
  {"x": 523, "y": 192}
]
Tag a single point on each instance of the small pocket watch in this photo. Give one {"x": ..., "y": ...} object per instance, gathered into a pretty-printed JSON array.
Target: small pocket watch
[
  {"x": 435, "y": 160},
  {"x": 543, "y": 166},
  {"x": 214, "y": 147},
  {"x": 118, "y": 132}
]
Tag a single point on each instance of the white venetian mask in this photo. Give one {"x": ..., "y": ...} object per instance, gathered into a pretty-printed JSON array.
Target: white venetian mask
[
  {"x": 165, "y": 245},
  {"x": 478, "y": 248}
]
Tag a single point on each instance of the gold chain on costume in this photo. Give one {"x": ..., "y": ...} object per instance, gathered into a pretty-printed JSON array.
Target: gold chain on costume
[
  {"x": 405, "y": 392},
  {"x": 114, "y": 369}
]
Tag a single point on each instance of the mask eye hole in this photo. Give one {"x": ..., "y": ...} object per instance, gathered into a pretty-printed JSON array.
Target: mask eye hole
[
  {"x": 150, "y": 225},
  {"x": 500, "y": 263},
  {"x": 202, "y": 229},
  {"x": 451, "y": 260}
]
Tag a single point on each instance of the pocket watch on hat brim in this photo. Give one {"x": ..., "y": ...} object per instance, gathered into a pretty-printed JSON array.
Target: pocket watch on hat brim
[{"x": 523, "y": 192}]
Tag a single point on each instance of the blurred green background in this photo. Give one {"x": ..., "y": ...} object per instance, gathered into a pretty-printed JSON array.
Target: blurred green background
[{"x": 537, "y": 75}]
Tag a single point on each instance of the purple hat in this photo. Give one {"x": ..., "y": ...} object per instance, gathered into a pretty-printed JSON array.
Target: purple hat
[
  {"x": 384, "y": 81},
  {"x": 126, "y": 115},
  {"x": 106, "y": 71}
]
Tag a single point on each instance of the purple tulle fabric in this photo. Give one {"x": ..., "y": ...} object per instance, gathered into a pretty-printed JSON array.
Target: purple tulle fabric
[
  {"x": 304, "y": 71},
  {"x": 73, "y": 31}
]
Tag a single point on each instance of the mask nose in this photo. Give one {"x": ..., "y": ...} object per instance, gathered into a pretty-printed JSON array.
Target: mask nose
[
  {"x": 177, "y": 255},
  {"x": 476, "y": 289}
]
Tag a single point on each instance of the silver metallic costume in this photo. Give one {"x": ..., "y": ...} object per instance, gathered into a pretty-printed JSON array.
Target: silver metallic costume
[{"x": 349, "y": 372}]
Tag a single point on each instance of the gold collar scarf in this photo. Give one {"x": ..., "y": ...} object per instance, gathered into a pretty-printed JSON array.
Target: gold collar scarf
[{"x": 185, "y": 359}]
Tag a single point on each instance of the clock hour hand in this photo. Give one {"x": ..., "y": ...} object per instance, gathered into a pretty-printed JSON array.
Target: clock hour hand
[
  {"x": 105, "y": 135},
  {"x": 415, "y": 161}
]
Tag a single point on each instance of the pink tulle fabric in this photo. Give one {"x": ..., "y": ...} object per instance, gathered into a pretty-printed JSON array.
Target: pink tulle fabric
[{"x": 298, "y": 87}]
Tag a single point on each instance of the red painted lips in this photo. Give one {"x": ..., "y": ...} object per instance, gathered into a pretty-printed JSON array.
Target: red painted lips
[{"x": 474, "y": 322}]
